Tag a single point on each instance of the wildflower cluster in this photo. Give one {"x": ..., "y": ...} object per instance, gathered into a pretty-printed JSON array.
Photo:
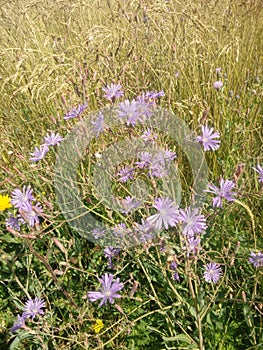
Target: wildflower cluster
[
  {"x": 76, "y": 112},
  {"x": 50, "y": 140},
  {"x": 27, "y": 211},
  {"x": 147, "y": 225},
  {"x": 32, "y": 308}
]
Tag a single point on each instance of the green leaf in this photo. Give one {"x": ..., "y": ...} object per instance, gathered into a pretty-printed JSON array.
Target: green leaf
[
  {"x": 18, "y": 339},
  {"x": 9, "y": 239}
]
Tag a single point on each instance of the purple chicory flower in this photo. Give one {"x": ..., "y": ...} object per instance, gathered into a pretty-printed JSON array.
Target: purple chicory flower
[
  {"x": 224, "y": 191},
  {"x": 13, "y": 222},
  {"x": 128, "y": 204},
  {"x": 149, "y": 97},
  {"x": 213, "y": 272},
  {"x": 52, "y": 139},
  {"x": 193, "y": 221},
  {"x": 193, "y": 245},
  {"x": 166, "y": 216},
  {"x": 175, "y": 276},
  {"x": 98, "y": 232},
  {"x": 18, "y": 197},
  {"x": 218, "y": 84},
  {"x": 126, "y": 173},
  {"x": 76, "y": 112},
  {"x": 173, "y": 266},
  {"x": 149, "y": 136},
  {"x": 99, "y": 125},
  {"x": 39, "y": 153},
  {"x": 108, "y": 290},
  {"x": 113, "y": 91},
  {"x": 33, "y": 307},
  {"x": 109, "y": 253},
  {"x": 120, "y": 230},
  {"x": 29, "y": 213},
  {"x": 208, "y": 139},
  {"x": 153, "y": 95},
  {"x": 129, "y": 111},
  {"x": 157, "y": 167},
  {"x": 145, "y": 231},
  {"x": 256, "y": 259},
  {"x": 145, "y": 110},
  {"x": 20, "y": 321},
  {"x": 169, "y": 155},
  {"x": 259, "y": 170},
  {"x": 145, "y": 160}
]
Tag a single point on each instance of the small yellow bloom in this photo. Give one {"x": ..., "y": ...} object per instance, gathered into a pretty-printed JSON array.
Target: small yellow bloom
[
  {"x": 98, "y": 326},
  {"x": 4, "y": 202}
]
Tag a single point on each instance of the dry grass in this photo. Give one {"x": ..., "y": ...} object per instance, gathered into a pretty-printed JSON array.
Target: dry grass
[{"x": 56, "y": 54}]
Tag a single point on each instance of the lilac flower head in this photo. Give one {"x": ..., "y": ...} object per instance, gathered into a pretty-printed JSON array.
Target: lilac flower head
[
  {"x": 166, "y": 216},
  {"x": 145, "y": 159},
  {"x": 33, "y": 307},
  {"x": 20, "y": 321},
  {"x": 193, "y": 245},
  {"x": 218, "y": 84},
  {"x": 129, "y": 111},
  {"x": 30, "y": 214},
  {"x": 224, "y": 191},
  {"x": 256, "y": 259},
  {"x": 145, "y": 231},
  {"x": 98, "y": 232},
  {"x": 142, "y": 98},
  {"x": 158, "y": 167},
  {"x": 13, "y": 222},
  {"x": 120, "y": 231},
  {"x": 99, "y": 125},
  {"x": 109, "y": 253},
  {"x": 218, "y": 70},
  {"x": 173, "y": 266},
  {"x": 113, "y": 91},
  {"x": 108, "y": 290},
  {"x": 39, "y": 153},
  {"x": 145, "y": 110},
  {"x": 149, "y": 136},
  {"x": 76, "y": 112},
  {"x": 151, "y": 96},
  {"x": 208, "y": 139},
  {"x": 213, "y": 272},
  {"x": 128, "y": 204},
  {"x": 52, "y": 139},
  {"x": 259, "y": 170},
  {"x": 175, "y": 276},
  {"x": 18, "y": 197},
  {"x": 169, "y": 155},
  {"x": 192, "y": 221},
  {"x": 126, "y": 173}
]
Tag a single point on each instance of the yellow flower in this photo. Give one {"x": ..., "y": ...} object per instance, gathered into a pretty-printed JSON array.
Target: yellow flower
[
  {"x": 4, "y": 202},
  {"x": 98, "y": 326}
]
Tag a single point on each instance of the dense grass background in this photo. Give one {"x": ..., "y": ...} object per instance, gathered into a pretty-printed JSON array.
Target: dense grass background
[{"x": 57, "y": 54}]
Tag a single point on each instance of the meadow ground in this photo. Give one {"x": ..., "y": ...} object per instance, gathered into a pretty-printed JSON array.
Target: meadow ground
[{"x": 195, "y": 284}]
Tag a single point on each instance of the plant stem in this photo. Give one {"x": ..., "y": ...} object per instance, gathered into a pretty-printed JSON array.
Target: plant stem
[{"x": 198, "y": 318}]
